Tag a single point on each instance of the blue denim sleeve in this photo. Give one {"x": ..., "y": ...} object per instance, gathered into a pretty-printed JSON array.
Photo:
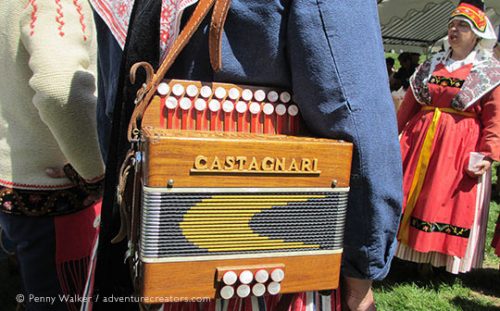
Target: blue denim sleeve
[{"x": 339, "y": 79}]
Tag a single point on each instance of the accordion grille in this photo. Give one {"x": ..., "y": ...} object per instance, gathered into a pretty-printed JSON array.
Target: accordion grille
[{"x": 193, "y": 224}]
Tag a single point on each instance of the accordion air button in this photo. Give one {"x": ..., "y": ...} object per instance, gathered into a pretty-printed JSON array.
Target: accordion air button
[
  {"x": 227, "y": 292},
  {"x": 247, "y": 95},
  {"x": 293, "y": 110},
  {"x": 220, "y": 92},
  {"x": 254, "y": 108},
  {"x": 200, "y": 104},
  {"x": 163, "y": 89},
  {"x": 227, "y": 106},
  {"x": 206, "y": 91},
  {"x": 185, "y": 103},
  {"x": 273, "y": 96},
  {"x": 246, "y": 277},
  {"x": 214, "y": 105},
  {"x": 171, "y": 102},
  {"x": 280, "y": 109},
  {"x": 268, "y": 109},
  {"x": 229, "y": 278},
  {"x": 259, "y": 289},
  {"x": 262, "y": 276},
  {"x": 234, "y": 93},
  {"x": 178, "y": 89},
  {"x": 243, "y": 291},
  {"x": 259, "y": 95},
  {"x": 192, "y": 90},
  {"x": 285, "y": 97},
  {"x": 241, "y": 107},
  {"x": 274, "y": 288},
  {"x": 277, "y": 275}
]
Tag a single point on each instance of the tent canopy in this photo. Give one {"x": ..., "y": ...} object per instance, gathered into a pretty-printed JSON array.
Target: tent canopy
[{"x": 416, "y": 25}]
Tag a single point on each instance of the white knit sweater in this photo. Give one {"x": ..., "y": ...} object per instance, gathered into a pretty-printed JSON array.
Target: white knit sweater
[{"x": 47, "y": 92}]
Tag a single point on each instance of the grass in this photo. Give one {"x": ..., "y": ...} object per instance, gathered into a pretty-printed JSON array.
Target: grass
[{"x": 479, "y": 290}]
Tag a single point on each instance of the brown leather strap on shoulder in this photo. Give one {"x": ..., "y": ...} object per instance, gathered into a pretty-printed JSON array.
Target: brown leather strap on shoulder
[
  {"x": 147, "y": 92},
  {"x": 215, "y": 36}
]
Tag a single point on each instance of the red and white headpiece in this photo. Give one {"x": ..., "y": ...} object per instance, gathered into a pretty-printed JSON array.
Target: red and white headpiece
[{"x": 473, "y": 12}]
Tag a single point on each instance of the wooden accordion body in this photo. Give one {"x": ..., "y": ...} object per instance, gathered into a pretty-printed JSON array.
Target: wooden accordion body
[{"x": 223, "y": 191}]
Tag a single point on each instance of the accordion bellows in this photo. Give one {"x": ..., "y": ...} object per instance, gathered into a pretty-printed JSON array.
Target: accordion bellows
[{"x": 228, "y": 202}]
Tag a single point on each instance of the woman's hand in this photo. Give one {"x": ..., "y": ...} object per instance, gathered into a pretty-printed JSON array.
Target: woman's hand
[{"x": 479, "y": 168}]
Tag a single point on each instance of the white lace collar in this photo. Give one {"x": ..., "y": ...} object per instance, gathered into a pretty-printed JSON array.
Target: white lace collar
[{"x": 452, "y": 65}]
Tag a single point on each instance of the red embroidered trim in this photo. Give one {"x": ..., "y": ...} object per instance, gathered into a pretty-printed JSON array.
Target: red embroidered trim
[
  {"x": 6, "y": 183},
  {"x": 59, "y": 17},
  {"x": 82, "y": 18},
  {"x": 33, "y": 16}
]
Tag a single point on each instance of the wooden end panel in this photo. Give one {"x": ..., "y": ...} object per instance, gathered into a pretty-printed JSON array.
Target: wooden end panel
[
  {"x": 199, "y": 279},
  {"x": 153, "y": 114},
  {"x": 213, "y": 161}
]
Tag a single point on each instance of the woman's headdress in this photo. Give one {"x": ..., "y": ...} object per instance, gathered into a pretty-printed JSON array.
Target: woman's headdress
[{"x": 473, "y": 12}]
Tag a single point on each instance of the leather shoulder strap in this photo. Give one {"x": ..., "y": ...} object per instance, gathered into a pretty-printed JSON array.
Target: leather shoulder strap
[
  {"x": 215, "y": 36},
  {"x": 145, "y": 94}
]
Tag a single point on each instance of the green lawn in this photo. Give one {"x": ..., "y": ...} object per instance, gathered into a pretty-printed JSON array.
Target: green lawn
[{"x": 478, "y": 290}]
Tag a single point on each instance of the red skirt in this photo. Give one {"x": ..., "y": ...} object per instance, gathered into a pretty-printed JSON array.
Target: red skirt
[{"x": 443, "y": 214}]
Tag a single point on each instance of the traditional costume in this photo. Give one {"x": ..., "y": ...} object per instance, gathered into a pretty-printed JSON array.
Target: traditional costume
[
  {"x": 47, "y": 119},
  {"x": 450, "y": 111}
]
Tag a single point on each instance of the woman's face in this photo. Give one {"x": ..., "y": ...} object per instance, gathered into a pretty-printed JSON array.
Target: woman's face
[{"x": 460, "y": 35}]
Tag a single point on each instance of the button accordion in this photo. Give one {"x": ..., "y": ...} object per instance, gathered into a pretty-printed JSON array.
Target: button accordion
[{"x": 231, "y": 198}]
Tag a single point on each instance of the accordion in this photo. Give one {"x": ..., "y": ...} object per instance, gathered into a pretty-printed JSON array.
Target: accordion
[{"x": 231, "y": 199}]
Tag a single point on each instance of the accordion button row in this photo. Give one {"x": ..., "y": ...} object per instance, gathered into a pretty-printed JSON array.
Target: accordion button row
[
  {"x": 244, "y": 290},
  {"x": 206, "y": 91}
]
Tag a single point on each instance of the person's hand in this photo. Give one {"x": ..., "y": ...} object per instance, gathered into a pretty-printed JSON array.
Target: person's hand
[
  {"x": 93, "y": 195},
  {"x": 480, "y": 168},
  {"x": 358, "y": 295}
]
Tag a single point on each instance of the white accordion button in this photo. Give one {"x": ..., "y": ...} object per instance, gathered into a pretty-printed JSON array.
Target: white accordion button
[
  {"x": 254, "y": 108},
  {"x": 185, "y": 103},
  {"x": 234, "y": 93},
  {"x": 259, "y": 95},
  {"x": 206, "y": 91},
  {"x": 200, "y": 104},
  {"x": 214, "y": 105},
  {"x": 178, "y": 89},
  {"x": 241, "y": 107},
  {"x": 227, "y": 106},
  {"x": 274, "y": 288},
  {"x": 285, "y": 97},
  {"x": 293, "y": 110},
  {"x": 262, "y": 276},
  {"x": 247, "y": 95},
  {"x": 280, "y": 109},
  {"x": 227, "y": 292},
  {"x": 243, "y": 291},
  {"x": 171, "y": 102},
  {"x": 229, "y": 278},
  {"x": 268, "y": 109},
  {"x": 258, "y": 289},
  {"x": 220, "y": 92},
  {"x": 277, "y": 275},
  {"x": 273, "y": 96},
  {"x": 192, "y": 90},
  {"x": 163, "y": 89},
  {"x": 246, "y": 277}
]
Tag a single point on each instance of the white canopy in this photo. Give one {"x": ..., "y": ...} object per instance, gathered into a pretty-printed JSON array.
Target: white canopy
[{"x": 416, "y": 25}]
